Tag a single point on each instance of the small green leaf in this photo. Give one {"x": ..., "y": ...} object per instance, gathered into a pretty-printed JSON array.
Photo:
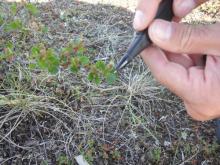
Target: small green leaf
[
  {"x": 9, "y": 50},
  {"x": 44, "y": 29},
  {"x": 68, "y": 48},
  {"x": 79, "y": 48},
  {"x": 116, "y": 154},
  {"x": 1, "y": 20},
  {"x": 14, "y": 25},
  {"x": 84, "y": 60},
  {"x": 48, "y": 61},
  {"x": 32, "y": 8},
  {"x": 2, "y": 56},
  {"x": 35, "y": 50},
  {"x": 184, "y": 135},
  {"x": 100, "y": 65},
  {"x": 52, "y": 61},
  {"x": 65, "y": 59},
  {"x": 93, "y": 77},
  {"x": 53, "y": 69},
  {"x": 74, "y": 65},
  {"x": 42, "y": 63},
  {"x": 44, "y": 162},
  {"x": 32, "y": 66},
  {"x": 9, "y": 45},
  {"x": 62, "y": 160},
  {"x": 97, "y": 80},
  {"x": 13, "y": 8},
  {"x": 111, "y": 78}
]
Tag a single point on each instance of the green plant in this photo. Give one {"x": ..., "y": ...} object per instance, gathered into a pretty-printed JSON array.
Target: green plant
[
  {"x": 1, "y": 19},
  {"x": 116, "y": 154},
  {"x": 45, "y": 58},
  {"x": 74, "y": 57},
  {"x": 7, "y": 52},
  {"x": 14, "y": 25},
  {"x": 13, "y": 8},
  {"x": 89, "y": 153},
  {"x": 63, "y": 160},
  {"x": 210, "y": 149},
  {"x": 187, "y": 149},
  {"x": 156, "y": 154},
  {"x": 44, "y": 162},
  {"x": 32, "y": 9}
]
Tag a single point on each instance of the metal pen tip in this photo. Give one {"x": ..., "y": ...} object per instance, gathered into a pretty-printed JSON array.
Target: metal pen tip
[
  {"x": 138, "y": 44},
  {"x": 122, "y": 65}
]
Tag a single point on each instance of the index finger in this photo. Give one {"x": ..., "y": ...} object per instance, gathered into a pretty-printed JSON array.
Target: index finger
[{"x": 145, "y": 13}]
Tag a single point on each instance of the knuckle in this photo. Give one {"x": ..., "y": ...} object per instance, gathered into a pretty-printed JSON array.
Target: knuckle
[
  {"x": 186, "y": 38},
  {"x": 193, "y": 112},
  {"x": 195, "y": 116},
  {"x": 199, "y": 115},
  {"x": 189, "y": 36}
]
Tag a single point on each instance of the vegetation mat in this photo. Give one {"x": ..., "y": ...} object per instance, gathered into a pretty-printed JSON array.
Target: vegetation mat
[{"x": 52, "y": 109}]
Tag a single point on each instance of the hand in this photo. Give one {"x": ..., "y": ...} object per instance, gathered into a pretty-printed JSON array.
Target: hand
[{"x": 180, "y": 66}]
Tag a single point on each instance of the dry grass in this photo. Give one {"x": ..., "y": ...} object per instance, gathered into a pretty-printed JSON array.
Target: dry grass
[
  {"x": 135, "y": 121},
  {"x": 206, "y": 13}
]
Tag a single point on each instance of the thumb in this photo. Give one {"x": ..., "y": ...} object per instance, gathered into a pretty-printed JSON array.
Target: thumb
[
  {"x": 184, "y": 38},
  {"x": 145, "y": 12}
]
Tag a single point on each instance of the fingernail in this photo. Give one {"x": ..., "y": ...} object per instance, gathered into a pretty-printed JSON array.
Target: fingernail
[
  {"x": 161, "y": 30},
  {"x": 139, "y": 18},
  {"x": 187, "y": 5}
]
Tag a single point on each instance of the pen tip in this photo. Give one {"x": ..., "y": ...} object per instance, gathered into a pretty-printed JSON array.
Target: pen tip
[{"x": 121, "y": 64}]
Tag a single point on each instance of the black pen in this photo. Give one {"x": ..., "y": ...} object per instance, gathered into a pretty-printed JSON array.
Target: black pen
[{"x": 142, "y": 39}]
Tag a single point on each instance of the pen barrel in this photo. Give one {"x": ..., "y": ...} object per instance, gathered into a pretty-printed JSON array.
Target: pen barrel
[
  {"x": 139, "y": 43},
  {"x": 165, "y": 10},
  {"x": 142, "y": 39}
]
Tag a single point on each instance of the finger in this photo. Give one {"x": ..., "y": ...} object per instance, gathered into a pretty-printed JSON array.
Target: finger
[
  {"x": 183, "y": 7},
  {"x": 212, "y": 70},
  {"x": 145, "y": 13},
  {"x": 201, "y": 111},
  {"x": 195, "y": 113},
  {"x": 170, "y": 74},
  {"x": 184, "y": 38}
]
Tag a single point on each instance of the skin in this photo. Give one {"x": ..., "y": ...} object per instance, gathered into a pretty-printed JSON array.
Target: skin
[{"x": 176, "y": 59}]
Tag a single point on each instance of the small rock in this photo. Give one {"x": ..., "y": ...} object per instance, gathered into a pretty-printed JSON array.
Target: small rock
[{"x": 167, "y": 143}]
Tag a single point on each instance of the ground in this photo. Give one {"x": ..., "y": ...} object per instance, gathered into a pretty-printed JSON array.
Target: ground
[{"x": 50, "y": 119}]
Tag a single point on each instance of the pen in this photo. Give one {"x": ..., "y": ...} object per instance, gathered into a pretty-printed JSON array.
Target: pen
[{"x": 142, "y": 39}]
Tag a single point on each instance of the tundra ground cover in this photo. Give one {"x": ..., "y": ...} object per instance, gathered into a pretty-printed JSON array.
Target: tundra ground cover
[{"x": 50, "y": 114}]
